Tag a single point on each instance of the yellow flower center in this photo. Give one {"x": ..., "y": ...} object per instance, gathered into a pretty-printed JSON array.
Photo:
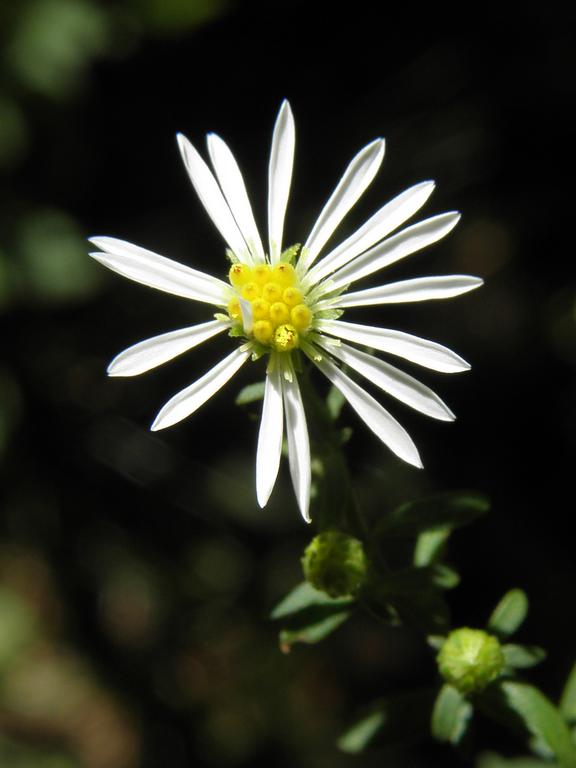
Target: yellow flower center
[{"x": 279, "y": 312}]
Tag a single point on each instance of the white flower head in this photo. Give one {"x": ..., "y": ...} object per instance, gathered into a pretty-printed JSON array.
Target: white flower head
[{"x": 279, "y": 302}]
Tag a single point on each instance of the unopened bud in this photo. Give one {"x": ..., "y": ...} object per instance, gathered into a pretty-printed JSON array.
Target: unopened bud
[
  {"x": 335, "y": 563},
  {"x": 470, "y": 659}
]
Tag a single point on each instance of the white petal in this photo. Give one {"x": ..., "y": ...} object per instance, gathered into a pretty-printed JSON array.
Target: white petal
[
  {"x": 269, "y": 437},
  {"x": 151, "y": 353},
  {"x": 280, "y": 177},
  {"x": 230, "y": 179},
  {"x": 403, "y": 244},
  {"x": 417, "y": 350},
  {"x": 384, "y": 221},
  {"x": 190, "y": 399},
  {"x": 353, "y": 183},
  {"x": 156, "y": 271},
  {"x": 370, "y": 411},
  {"x": 393, "y": 381},
  {"x": 418, "y": 289},
  {"x": 212, "y": 198},
  {"x": 298, "y": 444}
]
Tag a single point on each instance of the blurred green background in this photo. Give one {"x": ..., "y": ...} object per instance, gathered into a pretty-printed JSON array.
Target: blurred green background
[{"x": 136, "y": 570}]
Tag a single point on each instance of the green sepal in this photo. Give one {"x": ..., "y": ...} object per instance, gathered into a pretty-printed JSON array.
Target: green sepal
[
  {"x": 446, "y": 511},
  {"x": 523, "y": 707},
  {"x": 236, "y": 331},
  {"x": 290, "y": 253},
  {"x": 522, "y": 656},
  {"x": 451, "y": 715},
  {"x": 398, "y": 718},
  {"x": 509, "y": 614},
  {"x": 568, "y": 697},
  {"x": 309, "y": 615},
  {"x": 251, "y": 393}
]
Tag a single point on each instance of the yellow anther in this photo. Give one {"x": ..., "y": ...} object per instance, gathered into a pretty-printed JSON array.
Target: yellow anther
[
  {"x": 272, "y": 292},
  {"x": 260, "y": 309},
  {"x": 262, "y": 331},
  {"x": 284, "y": 274},
  {"x": 234, "y": 309},
  {"x": 279, "y": 313},
  {"x": 251, "y": 291},
  {"x": 285, "y": 338},
  {"x": 292, "y": 296},
  {"x": 301, "y": 317},
  {"x": 261, "y": 273},
  {"x": 239, "y": 274}
]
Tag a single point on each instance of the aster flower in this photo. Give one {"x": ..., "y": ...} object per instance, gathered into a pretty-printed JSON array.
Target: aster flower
[{"x": 279, "y": 303}]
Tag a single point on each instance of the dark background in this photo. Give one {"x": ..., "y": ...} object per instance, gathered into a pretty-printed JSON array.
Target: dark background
[{"x": 136, "y": 570}]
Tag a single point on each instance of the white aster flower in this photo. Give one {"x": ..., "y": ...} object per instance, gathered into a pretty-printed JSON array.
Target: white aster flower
[{"x": 277, "y": 301}]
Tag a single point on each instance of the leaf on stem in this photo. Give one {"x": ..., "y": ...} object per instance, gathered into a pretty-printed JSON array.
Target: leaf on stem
[
  {"x": 509, "y": 614},
  {"x": 451, "y": 715},
  {"x": 447, "y": 510}
]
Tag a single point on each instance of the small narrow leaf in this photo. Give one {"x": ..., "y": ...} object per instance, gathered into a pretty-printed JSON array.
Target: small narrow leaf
[
  {"x": 304, "y": 597},
  {"x": 397, "y": 718},
  {"x": 250, "y": 393},
  {"x": 509, "y": 614},
  {"x": 568, "y": 698},
  {"x": 523, "y": 656},
  {"x": 448, "y": 510},
  {"x": 313, "y": 632},
  {"x": 536, "y": 714},
  {"x": 451, "y": 715},
  {"x": 430, "y": 546},
  {"x": 492, "y": 760}
]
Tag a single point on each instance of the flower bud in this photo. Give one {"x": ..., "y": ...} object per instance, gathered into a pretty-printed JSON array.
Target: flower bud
[
  {"x": 470, "y": 659},
  {"x": 335, "y": 563}
]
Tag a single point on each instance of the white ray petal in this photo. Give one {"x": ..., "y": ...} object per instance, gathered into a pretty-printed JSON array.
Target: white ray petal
[
  {"x": 153, "y": 352},
  {"x": 280, "y": 177},
  {"x": 353, "y": 183},
  {"x": 386, "y": 220},
  {"x": 269, "y": 437},
  {"x": 157, "y": 271},
  {"x": 190, "y": 399},
  {"x": 232, "y": 184},
  {"x": 400, "y": 385},
  {"x": 212, "y": 198},
  {"x": 417, "y": 350},
  {"x": 417, "y": 289},
  {"x": 298, "y": 444},
  {"x": 373, "y": 414},
  {"x": 399, "y": 246}
]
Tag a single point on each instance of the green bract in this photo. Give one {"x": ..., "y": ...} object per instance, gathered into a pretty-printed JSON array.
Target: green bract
[
  {"x": 470, "y": 659},
  {"x": 335, "y": 563}
]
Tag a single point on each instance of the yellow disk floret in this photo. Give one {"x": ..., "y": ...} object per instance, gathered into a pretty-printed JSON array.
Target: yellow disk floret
[
  {"x": 285, "y": 338},
  {"x": 279, "y": 314},
  {"x": 301, "y": 317}
]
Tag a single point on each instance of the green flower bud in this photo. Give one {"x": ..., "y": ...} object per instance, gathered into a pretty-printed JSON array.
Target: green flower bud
[
  {"x": 470, "y": 659},
  {"x": 336, "y": 564}
]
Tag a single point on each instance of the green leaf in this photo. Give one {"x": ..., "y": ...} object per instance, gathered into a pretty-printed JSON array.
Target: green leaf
[
  {"x": 492, "y": 760},
  {"x": 250, "y": 393},
  {"x": 509, "y": 614},
  {"x": 523, "y": 656},
  {"x": 313, "y": 631},
  {"x": 418, "y": 580},
  {"x": 568, "y": 698},
  {"x": 451, "y": 715},
  {"x": 334, "y": 402},
  {"x": 397, "y": 718},
  {"x": 531, "y": 710},
  {"x": 430, "y": 546},
  {"x": 448, "y": 510},
  {"x": 310, "y": 615}
]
